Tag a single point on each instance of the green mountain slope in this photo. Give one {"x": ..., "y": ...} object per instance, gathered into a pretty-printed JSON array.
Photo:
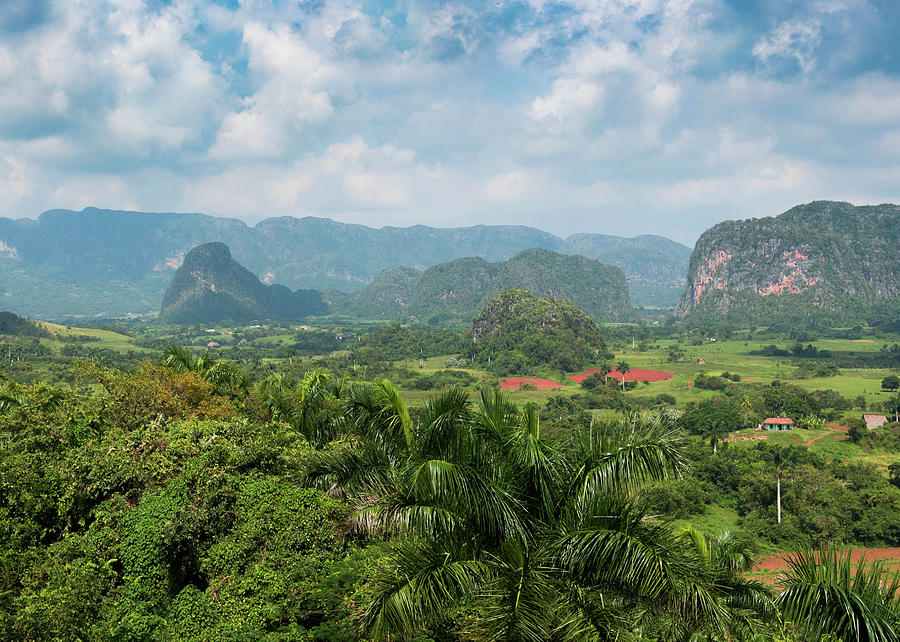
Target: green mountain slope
[
  {"x": 212, "y": 286},
  {"x": 517, "y": 332},
  {"x": 455, "y": 291},
  {"x": 112, "y": 263},
  {"x": 820, "y": 261}
]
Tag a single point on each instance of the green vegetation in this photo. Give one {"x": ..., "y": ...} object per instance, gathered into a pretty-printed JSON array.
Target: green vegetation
[
  {"x": 183, "y": 501},
  {"x": 517, "y": 332},
  {"x": 279, "y": 487},
  {"x": 821, "y": 264},
  {"x": 111, "y": 264},
  {"x": 14, "y": 325},
  {"x": 454, "y": 292},
  {"x": 211, "y": 286}
]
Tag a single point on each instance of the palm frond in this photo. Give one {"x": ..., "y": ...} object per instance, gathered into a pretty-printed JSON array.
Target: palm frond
[
  {"x": 822, "y": 593},
  {"x": 178, "y": 358},
  {"x": 622, "y": 456},
  {"x": 520, "y": 599},
  {"x": 424, "y": 583},
  {"x": 445, "y": 425},
  {"x": 11, "y": 400},
  {"x": 490, "y": 509},
  {"x": 395, "y": 409}
]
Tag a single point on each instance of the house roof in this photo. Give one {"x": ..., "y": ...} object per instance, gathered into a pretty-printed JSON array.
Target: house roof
[
  {"x": 779, "y": 420},
  {"x": 874, "y": 420}
]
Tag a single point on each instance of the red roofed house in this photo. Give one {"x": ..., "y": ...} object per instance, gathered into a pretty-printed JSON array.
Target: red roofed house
[
  {"x": 777, "y": 423},
  {"x": 874, "y": 421}
]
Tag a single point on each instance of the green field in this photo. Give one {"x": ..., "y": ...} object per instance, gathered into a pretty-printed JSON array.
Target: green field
[
  {"x": 716, "y": 357},
  {"x": 106, "y": 338}
]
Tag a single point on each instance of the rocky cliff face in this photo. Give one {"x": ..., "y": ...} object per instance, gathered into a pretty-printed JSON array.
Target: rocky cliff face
[
  {"x": 824, "y": 258},
  {"x": 211, "y": 286}
]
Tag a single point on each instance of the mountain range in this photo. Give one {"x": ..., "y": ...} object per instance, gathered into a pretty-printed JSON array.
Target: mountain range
[
  {"x": 108, "y": 263},
  {"x": 457, "y": 290}
]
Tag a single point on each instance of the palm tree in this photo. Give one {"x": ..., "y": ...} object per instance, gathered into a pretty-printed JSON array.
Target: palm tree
[
  {"x": 483, "y": 512},
  {"x": 369, "y": 444},
  {"x": 10, "y": 400},
  {"x": 311, "y": 405},
  {"x": 715, "y": 430},
  {"x": 604, "y": 369},
  {"x": 623, "y": 368},
  {"x": 748, "y": 604},
  {"x": 823, "y": 594},
  {"x": 226, "y": 377},
  {"x": 37, "y": 397}
]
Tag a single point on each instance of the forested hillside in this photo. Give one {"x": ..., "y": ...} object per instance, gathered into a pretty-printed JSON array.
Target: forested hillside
[
  {"x": 454, "y": 292},
  {"x": 517, "y": 332},
  {"x": 826, "y": 261},
  {"x": 212, "y": 286},
  {"x": 111, "y": 263}
]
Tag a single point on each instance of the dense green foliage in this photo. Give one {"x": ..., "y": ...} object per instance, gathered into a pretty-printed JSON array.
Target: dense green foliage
[
  {"x": 826, "y": 594},
  {"x": 158, "y": 509},
  {"x": 185, "y": 502},
  {"x": 825, "y": 261},
  {"x": 405, "y": 342},
  {"x": 517, "y": 332},
  {"x": 212, "y": 286},
  {"x": 455, "y": 292},
  {"x": 15, "y": 325}
]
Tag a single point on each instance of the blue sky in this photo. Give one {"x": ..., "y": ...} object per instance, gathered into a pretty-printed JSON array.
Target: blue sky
[{"x": 621, "y": 117}]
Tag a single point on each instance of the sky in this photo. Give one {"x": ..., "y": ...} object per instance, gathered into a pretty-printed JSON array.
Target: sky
[{"x": 613, "y": 116}]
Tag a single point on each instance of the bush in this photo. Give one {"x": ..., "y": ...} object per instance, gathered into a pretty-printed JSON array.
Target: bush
[
  {"x": 593, "y": 381},
  {"x": 706, "y": 382}
]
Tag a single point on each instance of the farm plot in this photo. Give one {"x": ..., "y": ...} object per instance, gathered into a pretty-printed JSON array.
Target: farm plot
[{"x": 513, "y": 383}]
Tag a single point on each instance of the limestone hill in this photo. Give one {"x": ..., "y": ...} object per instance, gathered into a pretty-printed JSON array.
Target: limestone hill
[{"x": 211, "y": 286}]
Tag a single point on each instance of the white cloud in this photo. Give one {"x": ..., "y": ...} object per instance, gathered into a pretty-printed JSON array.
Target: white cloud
[
  {"x": 508, "y": 187},
  {"x": 293, "y": 81},
  {"x": 89, "y": 190},
  {"x": 373, "y": 190},
  {"x": 570, "y": 100},
  {"x": 793, "y": 39},
  {"x": 13, "y": 178},
  {"x": 609, "y": 115}
]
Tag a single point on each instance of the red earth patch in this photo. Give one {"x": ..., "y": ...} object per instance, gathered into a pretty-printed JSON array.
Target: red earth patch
[
  {"x": 779, "y": 562},
  {"x": 632, "y": 375},
  {"x": 513, "y": 383}
]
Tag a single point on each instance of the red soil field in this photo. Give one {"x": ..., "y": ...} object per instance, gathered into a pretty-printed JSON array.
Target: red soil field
[
  {"x": 778, "y": 562},
  {"x": 632, "y": 375},
  {"x": 513, "y": 383}
]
